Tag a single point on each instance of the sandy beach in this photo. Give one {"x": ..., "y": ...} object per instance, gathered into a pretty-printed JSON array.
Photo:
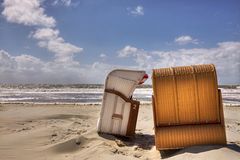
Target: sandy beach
[{"x": 44, "y": 132}]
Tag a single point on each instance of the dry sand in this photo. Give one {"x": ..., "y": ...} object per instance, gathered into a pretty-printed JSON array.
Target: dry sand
[{"x": 48, "y": 132}]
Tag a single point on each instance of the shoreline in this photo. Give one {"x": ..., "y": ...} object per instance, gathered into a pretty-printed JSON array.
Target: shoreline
[{"x": 92, "y": 103}]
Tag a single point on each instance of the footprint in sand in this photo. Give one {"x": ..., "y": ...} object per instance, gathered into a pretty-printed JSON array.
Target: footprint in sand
[
  {"x": 81, "y": 131},
  {"x": 119, "y": 143},
  {"x": 54, "y": 134},
  {"x": 24, "y": 129},
  {"x": 71, "y": 145},
  {"x": 137, "y": 155},
  {"x": 114, "y": 150},
  {"x": 137, "y": 148}
]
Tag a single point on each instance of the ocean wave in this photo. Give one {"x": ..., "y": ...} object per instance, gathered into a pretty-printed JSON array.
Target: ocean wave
[{"x": 87, "y": 94}]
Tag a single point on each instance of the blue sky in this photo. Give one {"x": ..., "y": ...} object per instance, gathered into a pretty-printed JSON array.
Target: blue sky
[{"x": 80, "y": 41}]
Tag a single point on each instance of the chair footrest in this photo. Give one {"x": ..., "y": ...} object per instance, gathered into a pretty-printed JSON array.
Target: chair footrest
[{"x": 189, "y": 135}]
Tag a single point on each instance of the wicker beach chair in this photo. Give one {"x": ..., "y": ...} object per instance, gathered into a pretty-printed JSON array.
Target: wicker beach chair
[
  {"x": 119, "y": 111},
  {"x": 187, "y": 107}
]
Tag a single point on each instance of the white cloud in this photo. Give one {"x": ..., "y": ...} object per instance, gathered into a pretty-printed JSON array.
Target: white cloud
[
  {"x": 29, "y": 69},
  {"x": 19, "y": 63},
  {"x": 50, "y": 39},
  {"x": 102, "y": 55},
  {"x": 137, "y": 11},
  {"x": 127, "y": 51},
  {"x": 30, "y": 12},
  {"x": 226, "y": 57},
  {"x": 182, "y": 40},
  {"x": 64, "y": 51},
  {"x": 62, "y": 2},
  {"x": 6, "y": 62},
  {"x": 45, "y": 34},
  {"x": 141, "y": 57},
  {"x": 19, "y": 69},
  {"x": 27, "y": 12},
  {"x": 28, "y": 62}
]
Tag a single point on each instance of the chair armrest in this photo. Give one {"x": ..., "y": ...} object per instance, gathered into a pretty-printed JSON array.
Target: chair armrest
[
  {"x": 154, "y": 111},
  {"x": 221, "y": 113}
]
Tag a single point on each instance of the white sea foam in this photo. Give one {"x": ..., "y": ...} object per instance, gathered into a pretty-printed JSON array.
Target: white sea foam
[{"x": 84, "y": 95}]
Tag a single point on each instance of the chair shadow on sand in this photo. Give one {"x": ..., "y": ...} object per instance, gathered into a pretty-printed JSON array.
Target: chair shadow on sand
[
  {"x": 197, "y": 149},
  {"x": 143, "y": 141},
  {"x": 146, "y": 142}
]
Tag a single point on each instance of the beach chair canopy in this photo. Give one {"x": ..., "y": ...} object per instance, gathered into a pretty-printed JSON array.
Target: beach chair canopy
[{"x": 125, "y": 81}]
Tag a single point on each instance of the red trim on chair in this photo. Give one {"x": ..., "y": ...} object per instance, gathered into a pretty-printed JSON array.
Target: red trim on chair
[{"x": 145, "y": 77}]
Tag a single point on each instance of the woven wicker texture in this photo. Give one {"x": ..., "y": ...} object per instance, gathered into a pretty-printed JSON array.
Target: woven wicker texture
[
  {"x": 189, "y": 135},
  {"x": 186, "y": 96}
]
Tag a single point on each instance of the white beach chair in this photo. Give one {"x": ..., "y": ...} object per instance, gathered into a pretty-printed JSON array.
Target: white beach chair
[{"x": 119, "y": 112}]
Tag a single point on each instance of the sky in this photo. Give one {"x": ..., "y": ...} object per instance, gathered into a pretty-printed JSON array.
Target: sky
[{"x": 80, "y": 41}]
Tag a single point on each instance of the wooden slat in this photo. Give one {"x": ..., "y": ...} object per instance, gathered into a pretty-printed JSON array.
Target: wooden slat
[
  {"x": 119, "y": 94},
  {"x": 118, "y": 116},
  {"x": 132, "y": 122}
]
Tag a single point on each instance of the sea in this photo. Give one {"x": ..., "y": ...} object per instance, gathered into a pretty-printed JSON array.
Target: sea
[{"x": 85, "y": 94}]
